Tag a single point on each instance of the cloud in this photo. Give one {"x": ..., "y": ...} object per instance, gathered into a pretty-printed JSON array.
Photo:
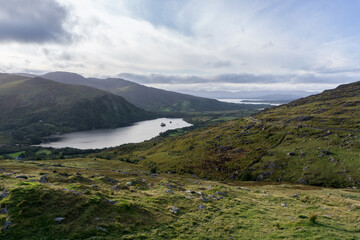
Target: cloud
[
  {"x": 234, "y": 78},
  {"x": 36, "y": 21}
]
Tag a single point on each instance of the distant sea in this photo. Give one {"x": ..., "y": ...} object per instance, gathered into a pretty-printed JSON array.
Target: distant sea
[{"x": 252, "y": 101}]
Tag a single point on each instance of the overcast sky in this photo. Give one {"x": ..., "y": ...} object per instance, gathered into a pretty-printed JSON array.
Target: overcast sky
[{"x": 187, "y": 44}]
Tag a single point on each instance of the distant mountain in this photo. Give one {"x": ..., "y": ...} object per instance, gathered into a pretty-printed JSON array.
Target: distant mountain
[
  {"x": 314, "y": 140},
  {"x": 149, "y": 98},
  {"x": 31, "y": 108}
]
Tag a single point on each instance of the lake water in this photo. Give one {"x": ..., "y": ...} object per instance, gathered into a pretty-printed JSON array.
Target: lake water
[
  {"x": 249, "y": 101},
  {"x": 102, "y": 138}
]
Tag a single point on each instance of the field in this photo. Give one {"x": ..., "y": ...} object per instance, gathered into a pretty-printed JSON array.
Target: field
[{"x": 89, "y": 198}]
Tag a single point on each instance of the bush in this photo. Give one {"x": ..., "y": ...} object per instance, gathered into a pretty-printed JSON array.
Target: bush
[{"x": 313, "y": 218}]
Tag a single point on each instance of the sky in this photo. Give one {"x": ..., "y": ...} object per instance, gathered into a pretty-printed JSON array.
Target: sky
[{"x": 228, "y": 45}]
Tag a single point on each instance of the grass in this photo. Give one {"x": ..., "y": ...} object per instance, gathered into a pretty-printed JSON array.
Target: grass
[{"x": 244, "y": 210}]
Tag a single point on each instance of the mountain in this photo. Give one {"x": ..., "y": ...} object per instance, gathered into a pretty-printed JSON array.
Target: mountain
[
  {"x": 314, "y": 140},
  {"x": 148, "y": 98},
  {"x": 34, "y": 107}
]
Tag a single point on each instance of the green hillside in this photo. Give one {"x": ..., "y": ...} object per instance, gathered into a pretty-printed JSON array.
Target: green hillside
[
  {"x": 109, "y": 199},
  {"x": 278, "y": 144},
  {"x": 149, "y": 98},
  {"x": 35, "y": 107}
]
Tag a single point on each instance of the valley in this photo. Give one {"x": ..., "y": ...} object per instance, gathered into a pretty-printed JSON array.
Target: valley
[{"x": 290, "y": 171}]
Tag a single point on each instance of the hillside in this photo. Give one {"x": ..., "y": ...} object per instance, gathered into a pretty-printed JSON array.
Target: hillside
[
  {"x": 109, "y": 199},
  {"x": 35, "y": 107},
  {"x": 315, "y": 140},
  {"x": 148, "y": 98}
]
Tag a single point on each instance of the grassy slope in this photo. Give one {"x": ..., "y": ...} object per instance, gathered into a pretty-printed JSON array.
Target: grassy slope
[
  {"x": 80, "y": 189},
  {"x": 152, "y": 99},
  {"x": 266, "y": 148},
  {"x": 25, "y": 102}
]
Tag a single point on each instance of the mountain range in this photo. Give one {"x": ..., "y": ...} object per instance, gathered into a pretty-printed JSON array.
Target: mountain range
[
  {"x": 148, "y": 98},
  {"x": 35, "y": 107}
]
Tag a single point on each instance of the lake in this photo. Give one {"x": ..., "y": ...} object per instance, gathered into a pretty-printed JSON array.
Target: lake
[
  {"x": 101, "y": 138},
  {"x": 251, "y": 101}
]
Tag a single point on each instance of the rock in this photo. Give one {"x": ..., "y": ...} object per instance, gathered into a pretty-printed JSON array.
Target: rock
[
  {"x": 325, "y": 152},
  {"x": 128, "y": 184},
  {"x": 169, "y": 191},
  {"x": 220, "y": 193},
  {"x": 295, "y": 196},
  {"x": 283, "y": 205},
  {"x": 302, "y": 181},
  {"x": 97, "y": 219},
  {"x": 43, "y": 179},
  {"x": 4, "y": 194},
  {"x": 290, "y": 154},
  {"x": 107, "y": 179},
  {"x": 168, "y": 185},
  {"x": 219, "y": 197},
  {"x": 242, "y": 188},
  {"x": 78, "y": 173},
  {"x": 59, "y": 219},
  {"x": 6, "y": 226},
  {"x": 116, "y": 188},
  {"x": 101, "y": 229},
  {"x": 112, "y": 202},
  {"x": 174, "y": 209},
  {"x": 201, "y": 206},
  {"x": 3, "y": 211},
  {"x": 22, "y": 176},
  {"x": 202, "y": 197}
]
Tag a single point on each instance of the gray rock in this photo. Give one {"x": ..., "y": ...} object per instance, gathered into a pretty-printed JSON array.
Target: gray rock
[
  {"x": 112, "y": 202},
  {"x": 174, "y": 209},
  {"x": 111, "y": 180},
  {"x": 3, "y": 211},
  {"x": 4, "y": 194},
  {"x": 6, "y": 226},
  {"x": 291, "y": 154},
  {"x": 169, "y": 191},
  {"x": 295, "y": 196},
  {"x": 302, "y": 181},
  {"x": 202, "y": 197},
  {"x": 43, "y": 179},
  {"x": 190, "y": 191},
  {"x": 201, "y": 206},
  {"x": 22, "y": 176},
  {"x": 129, "y": 184},
  {"x": 283, "y": 205},
  {"x": 220, "y": 193},
  {"x": 59, "y": 219},
  {"x": 101, "y": 229}
]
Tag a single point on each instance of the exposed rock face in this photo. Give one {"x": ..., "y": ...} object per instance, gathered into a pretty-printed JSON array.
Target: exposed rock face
[{"x": 43, "y": 179}]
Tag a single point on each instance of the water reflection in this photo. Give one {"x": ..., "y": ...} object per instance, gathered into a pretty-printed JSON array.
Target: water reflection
[{"x": 102, "y": 138}]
